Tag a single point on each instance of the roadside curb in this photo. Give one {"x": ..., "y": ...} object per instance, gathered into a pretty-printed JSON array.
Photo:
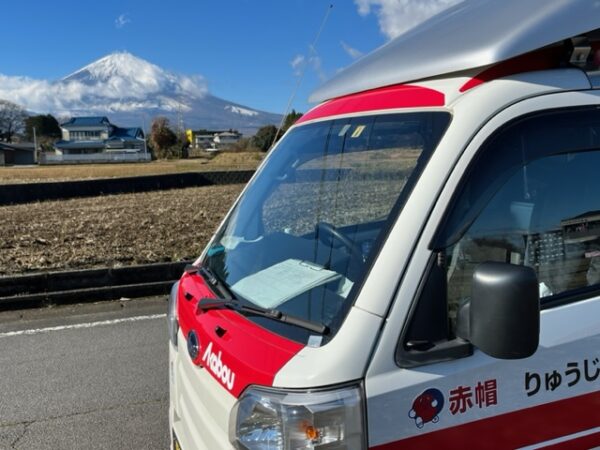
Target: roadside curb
[{"x": 92, "y": 285}]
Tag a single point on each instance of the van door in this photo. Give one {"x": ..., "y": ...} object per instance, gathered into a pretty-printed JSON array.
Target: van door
[{"x": 529, "y": 197}]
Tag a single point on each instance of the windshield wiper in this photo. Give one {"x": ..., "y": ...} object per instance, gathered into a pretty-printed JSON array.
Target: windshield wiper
[
  {"x": 222, "y": 290},
  {"x": 204, "y": 304},
  {"x": 228, "y": 300}
]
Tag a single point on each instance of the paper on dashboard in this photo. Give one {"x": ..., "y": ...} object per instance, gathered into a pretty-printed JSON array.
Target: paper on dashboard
[{"x": 281, "y": 282}]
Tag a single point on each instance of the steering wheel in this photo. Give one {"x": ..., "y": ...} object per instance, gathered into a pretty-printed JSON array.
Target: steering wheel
[{"x": 328, "y": 233}]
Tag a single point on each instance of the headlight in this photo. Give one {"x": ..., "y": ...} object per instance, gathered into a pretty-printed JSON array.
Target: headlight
[
  {"x": 270, "y": 419},
  {"x": 172, "y": 322}
]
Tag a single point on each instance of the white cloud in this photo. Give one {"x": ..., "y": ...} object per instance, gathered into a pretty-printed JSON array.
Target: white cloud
[
  {"x": 299, "y": 63},
  {"x": 316, "y": 65},
  {"x": 194, "y": 85},
  {"x": 397, "y": 16},
  {"x": 122, "y": 20},
  {"x": 352, "y": 52}
]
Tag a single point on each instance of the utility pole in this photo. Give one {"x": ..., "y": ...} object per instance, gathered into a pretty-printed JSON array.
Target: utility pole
[
  {"x": 145, "y": 135},
  {"x": 180, "y": 118},
  {"x": 35, "y": 147}
]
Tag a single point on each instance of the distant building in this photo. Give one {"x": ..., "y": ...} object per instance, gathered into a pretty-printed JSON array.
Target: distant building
[
  {"x": 203, "y": 140},
  {"x": 215, "y": 139},
  {"x": 226, "y": 138},
  {"x": 85, "y": 135},
  {"x": 583, "y": 228},
  {"x": 95, "y": 139},
  {"x": 16, "y": 154}
]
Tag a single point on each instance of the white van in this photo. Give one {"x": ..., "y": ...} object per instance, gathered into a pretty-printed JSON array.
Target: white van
[{"x": 416, "y": 265}]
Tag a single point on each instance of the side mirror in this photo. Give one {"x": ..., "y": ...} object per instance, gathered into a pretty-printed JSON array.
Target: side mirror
[{"x": 502, "y": 318}]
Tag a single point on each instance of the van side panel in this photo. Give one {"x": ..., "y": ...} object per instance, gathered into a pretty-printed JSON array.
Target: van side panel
[{"x": 550, "y": 400}]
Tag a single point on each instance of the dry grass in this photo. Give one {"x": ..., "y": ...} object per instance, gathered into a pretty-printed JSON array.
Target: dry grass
[
  {"x": 222, "y": 161},
  {"x": 237, "y": 159},
  {"x": 111, "y": 230}
]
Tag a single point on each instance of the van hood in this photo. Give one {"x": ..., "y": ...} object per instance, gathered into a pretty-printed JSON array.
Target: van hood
[{"x": 232, "y": 349}]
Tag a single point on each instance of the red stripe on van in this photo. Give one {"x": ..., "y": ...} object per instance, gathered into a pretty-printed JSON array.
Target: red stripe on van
[
  {"x": 543, "y": 59},
  {"x": 529, "y": 426},
  {"x": 234, "y": 350},
  {"x": 586, "y": 442},
  {"x": 389, "y": 97}
]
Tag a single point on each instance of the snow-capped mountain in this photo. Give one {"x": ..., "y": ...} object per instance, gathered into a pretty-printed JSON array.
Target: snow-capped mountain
[{"x": 131, "y": 91}]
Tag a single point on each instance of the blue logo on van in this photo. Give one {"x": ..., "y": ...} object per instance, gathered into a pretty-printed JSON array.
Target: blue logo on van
[{"x": 193, "y": 345}]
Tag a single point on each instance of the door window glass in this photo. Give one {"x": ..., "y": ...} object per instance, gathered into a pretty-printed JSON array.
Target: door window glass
[
  {"x": 532, "y": 198},
  {"x": 546, "y": 216}
]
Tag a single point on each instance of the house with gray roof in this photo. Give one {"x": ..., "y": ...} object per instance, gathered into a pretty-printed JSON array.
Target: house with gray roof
[
  {"x": 95, "y": 139},
  {"x": 16, "y": 154}
]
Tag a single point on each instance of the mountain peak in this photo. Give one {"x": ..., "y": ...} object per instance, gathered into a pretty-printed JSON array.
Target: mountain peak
[
  {"x": 120, "y": 64},
  {"x": 125, "y": 76}
]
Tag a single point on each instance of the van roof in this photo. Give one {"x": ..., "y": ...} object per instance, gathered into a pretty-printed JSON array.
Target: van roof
[{"x": 472, "y": 34}]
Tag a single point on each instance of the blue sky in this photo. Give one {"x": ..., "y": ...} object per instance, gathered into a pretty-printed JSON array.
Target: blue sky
[{"x": 244, "y": 49}]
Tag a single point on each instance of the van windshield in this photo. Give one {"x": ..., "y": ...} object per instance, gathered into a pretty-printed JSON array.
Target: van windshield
[{"x": 303, "y": 234}]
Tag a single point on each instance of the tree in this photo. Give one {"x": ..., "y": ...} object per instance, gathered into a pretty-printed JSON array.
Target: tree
[
  {"x": 162, "y": 137},
  {"x": 11, "y": 119},
  {"x": 264, "y": 137},
  {"x": 46, "y": 126},
  {"x": 243, "y": 145},
  {"x": 290, "y": 120}
]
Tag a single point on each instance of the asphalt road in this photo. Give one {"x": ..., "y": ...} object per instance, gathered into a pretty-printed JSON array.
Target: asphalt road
[{"x": 85, "y": 377}]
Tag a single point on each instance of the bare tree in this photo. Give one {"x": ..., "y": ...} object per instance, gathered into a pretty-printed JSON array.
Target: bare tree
[
  {"x": 162, "y": 137},
  {"x": 12, "y": 117}
]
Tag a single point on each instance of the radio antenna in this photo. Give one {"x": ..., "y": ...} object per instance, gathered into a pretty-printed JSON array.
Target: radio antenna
[{"x": 311, "y": 51}]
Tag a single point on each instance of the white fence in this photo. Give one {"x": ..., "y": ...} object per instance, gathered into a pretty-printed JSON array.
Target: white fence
[{"x": 50, "y": 158}]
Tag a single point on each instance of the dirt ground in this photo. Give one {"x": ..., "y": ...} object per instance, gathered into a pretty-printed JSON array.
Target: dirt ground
[
  {"x": 113, "y": 230},
  {"x": 208, "y": 162}
]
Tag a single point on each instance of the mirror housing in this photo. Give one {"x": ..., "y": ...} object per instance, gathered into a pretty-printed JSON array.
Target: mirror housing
[{"x": 504, "y": 311}]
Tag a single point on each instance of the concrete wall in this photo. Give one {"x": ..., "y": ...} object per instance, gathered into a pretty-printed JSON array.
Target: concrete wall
[{"x": 102, "y": 157}]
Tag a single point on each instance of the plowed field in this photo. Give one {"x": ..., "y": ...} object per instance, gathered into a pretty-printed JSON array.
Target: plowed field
[{"x": 109, "y": 231}]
